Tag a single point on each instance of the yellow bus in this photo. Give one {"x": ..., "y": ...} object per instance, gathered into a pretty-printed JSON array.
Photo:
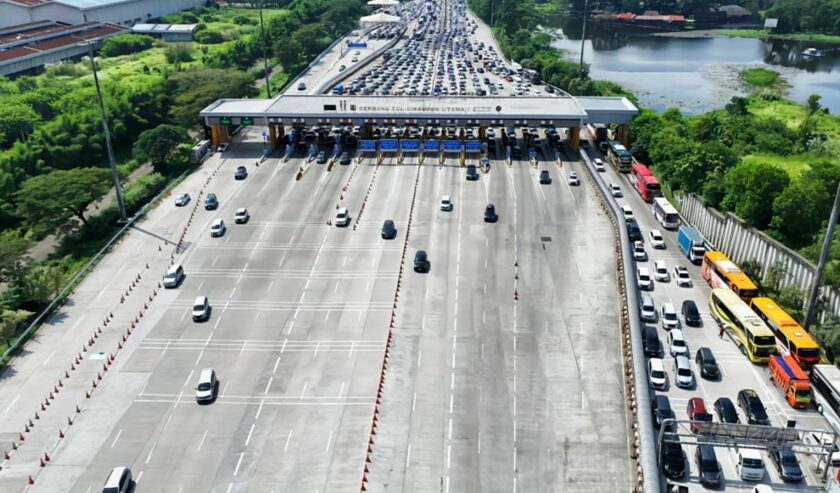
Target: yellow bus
[
  {"x": 792, "y": 338},
  {"x": 720, "y": 272},
  {"x": 742, "y": 325}
]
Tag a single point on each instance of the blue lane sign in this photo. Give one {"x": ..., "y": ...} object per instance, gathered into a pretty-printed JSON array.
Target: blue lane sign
[
  {"x": 473, "y": 145},
  {"x": 388, "y": 145},
  {"x": 410, "y": 145},
  {"x": 367, "y": 145},
  {"x": 451, "y": 145},
  {"x": 431, "y": 145},
  {"x": 357, "y": 45}
]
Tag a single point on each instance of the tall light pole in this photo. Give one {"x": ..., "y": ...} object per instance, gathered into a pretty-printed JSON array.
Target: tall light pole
[
  {"x": 826, "y": 249},
  {"x": 115, "y": 177},
  {"x": 583, "y": 36},
  {"x": 265, "y": 57}
]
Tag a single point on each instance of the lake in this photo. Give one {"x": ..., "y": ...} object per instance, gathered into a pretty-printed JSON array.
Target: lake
[{"x": 701, "y": 74}]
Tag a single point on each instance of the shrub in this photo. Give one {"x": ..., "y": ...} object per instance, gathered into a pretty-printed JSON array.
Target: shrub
[
  {"x": 178, "y": 52},
  {"x": 209, "y": 37},
  {"x": 243, "y": 20},
  {"x": 125, "y": 44}
]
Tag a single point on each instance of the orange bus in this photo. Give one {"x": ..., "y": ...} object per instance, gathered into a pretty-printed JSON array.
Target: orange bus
[
  {"x": 792, "y": 338},
  {"x": 720, "y": 272}
]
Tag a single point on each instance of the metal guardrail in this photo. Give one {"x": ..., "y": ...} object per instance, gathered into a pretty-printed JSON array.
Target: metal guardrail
[
  {"x": 651, "y": 477},
  {"x": 78, "y": 276}
]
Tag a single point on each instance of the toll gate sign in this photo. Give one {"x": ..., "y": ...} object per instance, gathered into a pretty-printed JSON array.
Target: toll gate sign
[
  {"x": 431, "y": 145},
  {"x": 388, "y": 145},
  {"x": 367, "y": 145},
  {"x": 452, "y": 145},
  {"x": 410, "y": 145},
  {"x": 472, "y": 145}
]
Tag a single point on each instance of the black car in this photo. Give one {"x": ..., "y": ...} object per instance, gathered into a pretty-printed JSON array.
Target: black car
[
  {"x": 753, "y": 408},
  {"x": 652, "y": 344},
  {"x": 705, "y": 360},
  {"x": 707, "y": 465},
  {"x": 691, "y": 314},
  {"x": 726, "y": 410},
  {"x": 786, "y": 463},
  {"x": 545, "y": 178},
  {"x": 490, "y": 215},
  {"x": 241, "y": 173},
  {"x": 389, "y": 231},
  {"x": 633, "y": 231},
  {"x": 421, "y": 261},
  {"x": 472, "y": 172},
  {"x": 673, "y": 460},
  {"x": 322, "y": 158},
  {"x": 661, "y": 409},
  {"x": 211, "y": 202},
  {"x": 345, "y": 158}
]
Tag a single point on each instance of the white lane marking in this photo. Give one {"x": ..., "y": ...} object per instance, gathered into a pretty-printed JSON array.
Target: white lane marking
[
  {"x": 277, "y": 362},
  {"x": 78, "y": 322},
  {"x": 184, "y": 315},
  {"x": 341, "y": 390},
  {"x": 218, "y": 321},
  {"x": 259, "y": 410},
  {"x": 224, "y": 390},
  {"x": 414, "y": 402},
  {"x": 304, "y": 389},
  {"x": 282, "y": 348},
  {"x": 271, "y": 285},
  {"x": 268, "y": 385},
  {"x": 335, "y": 290},
  {"x": 232, "y": 291},
  {"x": 238, "y": 463},
  {"x": 288, "y": 439},
  {"x": 479, "y": 443},
  {"x": 281, "y": 260},
  {"x": 48, "y": 358},
  {"x": 199, "y": 357},
  {"x": 250, "y": 432},
  {"x": 139, "y": 476},
  {"x": 291, "y": 326},
  {"x": 201, "y": 442},
  {"x": 450, "y": 429},
  {"x": 317, "y": 347},
  {"x": 116, "y": 438},
  {"x": 11, "y": 404},
  {"x": 200, "y": 285},
  {"x": 448, "y": 456},
  {"x": 329, "y": 441},
  {"x": 152, "y": 451},
  {"x": 408, "y": 456},
  {"x": 419, "y": 357},
  {"x": 215, "y": 260},
  {"x": 230, "y": 487}
]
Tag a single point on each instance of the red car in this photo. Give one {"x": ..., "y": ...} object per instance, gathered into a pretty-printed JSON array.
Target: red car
[{"x": 696, "y": 411}]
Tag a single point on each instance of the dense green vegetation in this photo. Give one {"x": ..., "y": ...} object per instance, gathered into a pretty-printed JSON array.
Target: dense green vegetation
[
  {"x": 53, "y": 164},
  {"x": 760, "y": 77}
]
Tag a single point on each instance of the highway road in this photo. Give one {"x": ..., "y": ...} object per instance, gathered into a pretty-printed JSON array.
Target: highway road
[{"x": 738, "y": 372}]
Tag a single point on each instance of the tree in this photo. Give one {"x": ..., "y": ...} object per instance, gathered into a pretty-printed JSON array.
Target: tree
[
  {"x": 10, "y": 322},
  {"x": 752, "y": 268},
  {"x": 125, "y": 44},
  {"x": 17, "y": 120},
  {"x": 52, "y": 199},
  {"x": 799, "y": 211},
  {"x": 813, "y": 103},
  {"x": 42, "y": 283},
  {"x": 209, "y": 37},
  {"x": 13, "y": 255},
  {"x": 178, "y": 52},
  {"x": 156, "y": 145},
  {"x": 751, "y": 189},
  {"x": 198, "y": 88}
]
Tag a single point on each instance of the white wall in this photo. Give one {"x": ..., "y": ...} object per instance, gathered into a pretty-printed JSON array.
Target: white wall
[
  {"x": 117, "y": 14},
  {"x": 11, "y": 15}
]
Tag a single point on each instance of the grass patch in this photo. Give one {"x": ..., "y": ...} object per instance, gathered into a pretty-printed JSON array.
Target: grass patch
[
  {"x": 760, "y": 77},
  {"x": 759, "y": 33},
  {"x": 278, "y": 81},
  {"x": 794, "y": 165},
  {"x": 794, "y": 114}
]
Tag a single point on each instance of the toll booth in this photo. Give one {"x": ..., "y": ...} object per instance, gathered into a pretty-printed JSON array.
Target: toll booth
[
  {"x": 387, "y": 145},
  {"x": 452, "y": 147},
  {"x": 408, "y": 146},
  {"x": 472, "y": 148},
  {"x": 430, "y": 146},
  {"x": 366, "y": 147}
]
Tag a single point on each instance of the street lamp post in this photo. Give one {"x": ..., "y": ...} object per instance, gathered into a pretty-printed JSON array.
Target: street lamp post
[
  {"x": 265, "y": 58},
  {"x": 115, "y": 177},
  {"x": 583, "y": 36},
  {"x": 826, "y": 249}
]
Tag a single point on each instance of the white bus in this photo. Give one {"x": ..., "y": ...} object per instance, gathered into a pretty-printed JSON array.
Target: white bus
[
  {"x": 825, "y": 390},
  {"x": 665, "y": 213}
]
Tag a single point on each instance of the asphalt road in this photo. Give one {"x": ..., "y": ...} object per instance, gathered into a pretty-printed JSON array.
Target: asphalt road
[{"x": 738, "y": 372}]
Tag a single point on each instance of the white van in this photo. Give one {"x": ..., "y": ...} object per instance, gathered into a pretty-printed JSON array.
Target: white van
[
  {"x": 643, "y": 279},
  {"x": 217, "y": 228},
  {"x": 446, "y": 203},
  {"x": 342, "y": 217},
  {"x": 750, "y": 465},
  {"x": 119, "y": 481},
  {"x": 173, "y": 276},
  {"x": 205, "y": 390},
  {"x": 201, "y": 309}
]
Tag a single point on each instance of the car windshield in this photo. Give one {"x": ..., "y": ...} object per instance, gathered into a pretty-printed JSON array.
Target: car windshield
[
  {"x": 204, "y": 386},
  {"x": 684, "y": 372},
  {"x": 709, "y": 466},
  {"x": 670, "y": 316},
  {"x": 657, "y": 374},
  {"x": 170, "y": 275},
  {"x": 678, "y": 342},
  {"x": 198, "y": 308},
  {"x": 753, "y": 463}
]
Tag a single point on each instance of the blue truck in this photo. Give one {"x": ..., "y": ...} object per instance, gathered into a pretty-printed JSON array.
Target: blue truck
[{"x": 692, "y": 244}]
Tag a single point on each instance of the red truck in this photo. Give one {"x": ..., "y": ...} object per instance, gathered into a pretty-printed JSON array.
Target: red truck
[{"x": 787, "y": 374}]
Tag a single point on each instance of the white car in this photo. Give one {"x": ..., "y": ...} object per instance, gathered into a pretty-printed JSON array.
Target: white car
[
  {"x": 217, "y": 228},
  {"x": 627, "y": 211},
  {"x": 599, "y": 165},
  {"x": 669, "y": 316},
  {"x": 656, "y": 373},
  {"x": 643, "y": 279},
  {"x": 677, "y": 343},
  {"x": 682, "y": 277},
  {"x": 656, "y": 239},
  {"x": 639, "y": 252},
  {"x": 615, "y": 190},
  {"x": 223, "y": 147},
  {"x": 445, "y": 203},
  {"x": 573, "y": 179},
  {"x": 241, "y": 216},
  {"x": 342, "y": 217},
  {"x": 660, "y": 271},
  {"x": 750, "y": 465}
]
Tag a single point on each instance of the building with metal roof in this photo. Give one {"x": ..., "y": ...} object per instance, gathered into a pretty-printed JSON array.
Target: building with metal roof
[
  {"x": 167, "y": 32},
  {"x": 125, "y": 12},
  {"x": 27, "y": 47}
]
